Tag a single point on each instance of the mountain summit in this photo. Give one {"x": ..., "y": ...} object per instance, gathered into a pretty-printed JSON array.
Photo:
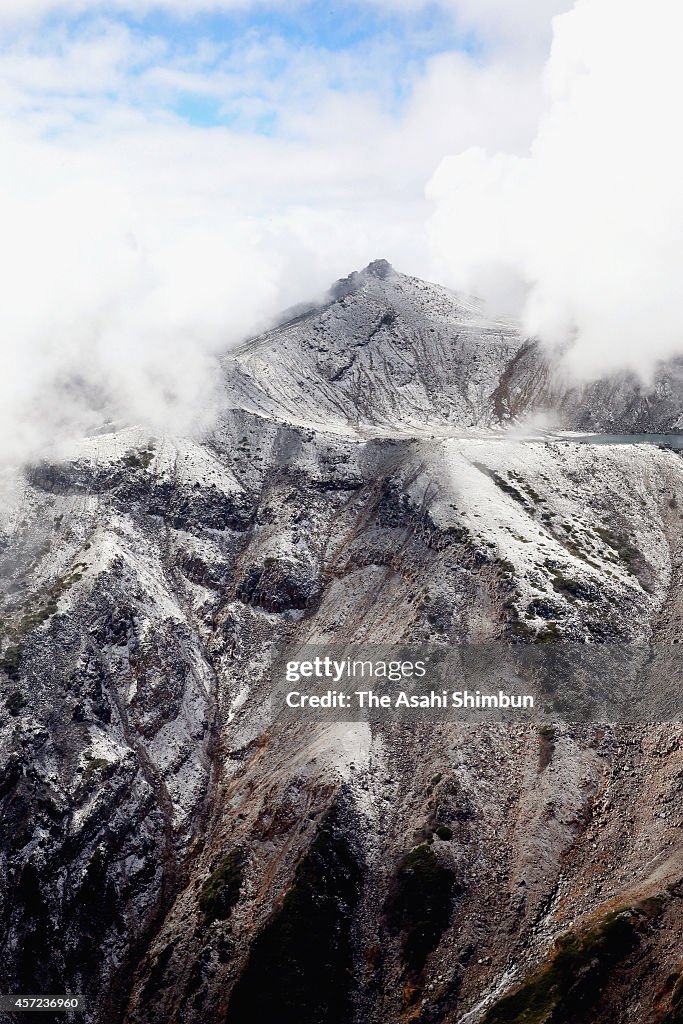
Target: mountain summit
[{"x": 389, "y": 353}]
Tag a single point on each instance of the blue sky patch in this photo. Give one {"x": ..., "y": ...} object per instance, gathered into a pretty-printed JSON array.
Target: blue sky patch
[{"x": 239, "y": 68}]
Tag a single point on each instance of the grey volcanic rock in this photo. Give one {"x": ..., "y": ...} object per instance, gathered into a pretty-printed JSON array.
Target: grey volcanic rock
[
  {"x": 390, "y": 353},
  {"x": 174, "y": 855},
  {"x": 619, "y": 404},
  {"x": 627, "y": 405},
  {"x": 387, "y": 353}
]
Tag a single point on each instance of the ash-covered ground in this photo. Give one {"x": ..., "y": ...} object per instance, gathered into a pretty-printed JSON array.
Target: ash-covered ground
[{"x": 174, "y": 856}]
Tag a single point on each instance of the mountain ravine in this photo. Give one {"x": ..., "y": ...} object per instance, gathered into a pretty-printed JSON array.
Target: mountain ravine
[{"x": 173, "y": 856}]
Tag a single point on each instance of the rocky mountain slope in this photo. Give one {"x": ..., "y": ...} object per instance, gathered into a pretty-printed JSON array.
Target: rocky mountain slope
[
  {"x": 393, "y": 354},
  {"x": 173, "y": 855}
]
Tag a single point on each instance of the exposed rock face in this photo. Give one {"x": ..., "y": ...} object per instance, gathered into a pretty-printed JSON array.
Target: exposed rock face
[
  {"x": 174, "y": 856},
  {"x": 391, "y": 354}
]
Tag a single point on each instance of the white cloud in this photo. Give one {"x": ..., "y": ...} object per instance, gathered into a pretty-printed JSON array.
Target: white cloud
[
  {"x": 136, "y": 246},
  {"x": 524, "y": 27},
  {"x": 591, "y": 222},
  {"x": 128, "y": 263}
]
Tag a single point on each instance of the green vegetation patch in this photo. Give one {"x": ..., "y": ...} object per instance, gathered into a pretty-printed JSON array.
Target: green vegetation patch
[
  {"x": 623, "y": 548},
  {"x": 95, "y": 764},
  {"x": 569, "y": 986},
  {"x": 506, "y": 568},
  {"x": 42, "y": 606},
  {"x": 570, "y": 587},
  {"x": 458, "y": 533},
  {"x": 221, "y": 891},
  {"x": 420, "y": 903}
]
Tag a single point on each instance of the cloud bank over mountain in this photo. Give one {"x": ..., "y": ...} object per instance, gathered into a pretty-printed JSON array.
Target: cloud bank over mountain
[
  {"x": 169, "y": 183},
  {"x": 168, "y": 186},
  {"x": 588, "y": 228}
]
